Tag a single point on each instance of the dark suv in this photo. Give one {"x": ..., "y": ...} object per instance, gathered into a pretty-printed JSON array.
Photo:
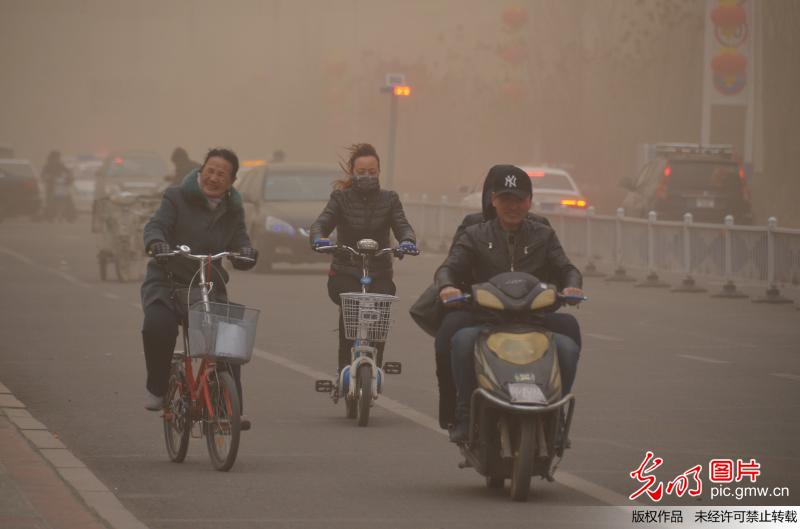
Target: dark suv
[{"x": 704, "y": 180}]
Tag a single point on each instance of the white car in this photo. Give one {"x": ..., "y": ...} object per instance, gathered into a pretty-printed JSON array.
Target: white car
[
  {"x": 83, "y": 188},
  {"x": 552, "y": 188}
]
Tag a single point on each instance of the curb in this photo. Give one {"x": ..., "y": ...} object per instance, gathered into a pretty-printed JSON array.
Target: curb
[{"x": 97, "y": 498}]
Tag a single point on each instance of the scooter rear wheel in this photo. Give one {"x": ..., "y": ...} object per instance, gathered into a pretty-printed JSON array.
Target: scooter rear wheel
[
  {"x": 364, "y": 393},
  {"x": 522, "y": 468}
]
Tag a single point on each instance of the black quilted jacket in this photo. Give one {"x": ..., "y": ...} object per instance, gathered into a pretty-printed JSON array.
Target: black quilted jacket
[
  {"x": 484, "y": 250},
  {"x": 357, "y": 216}
]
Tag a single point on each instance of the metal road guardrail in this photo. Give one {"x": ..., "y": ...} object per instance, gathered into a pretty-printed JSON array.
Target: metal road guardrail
[{"x": 764, "y": 255}]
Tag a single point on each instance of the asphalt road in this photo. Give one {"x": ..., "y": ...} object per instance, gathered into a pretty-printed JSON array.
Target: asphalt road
[{"x": 688, "y": 377}]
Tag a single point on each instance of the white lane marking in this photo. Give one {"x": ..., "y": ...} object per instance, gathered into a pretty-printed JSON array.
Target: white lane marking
[
  {"x": 50, "y": 270},
  {"x": 790, "y": 376},
  {"x": 17, "y": 255},
  {"x": 705, "y": 359},
  {"x": 110, "y": 295},
  {"x": 588, "y": 488},
  {"x": 603, "y": 337}
]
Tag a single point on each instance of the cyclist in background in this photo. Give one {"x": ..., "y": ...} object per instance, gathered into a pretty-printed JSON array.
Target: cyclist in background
[
  {"x": 359, "y": 209},
  {"x": 183, "y": 166},
  {"x": 205, "y": 213}
]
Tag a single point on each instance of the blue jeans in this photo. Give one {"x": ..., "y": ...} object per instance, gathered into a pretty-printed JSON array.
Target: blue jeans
[{"x": 463, "y": 364}]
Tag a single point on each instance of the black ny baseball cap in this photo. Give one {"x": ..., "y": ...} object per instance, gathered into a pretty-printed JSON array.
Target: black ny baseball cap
[{"x": 510, "y": 179}]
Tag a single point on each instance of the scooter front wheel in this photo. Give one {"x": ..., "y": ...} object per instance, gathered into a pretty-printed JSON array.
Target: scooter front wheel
[
  {"x": 522, "y": 468},
  {"x": 364, "y": 393}
]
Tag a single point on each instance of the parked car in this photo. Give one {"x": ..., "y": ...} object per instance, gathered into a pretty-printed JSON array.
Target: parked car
[
  {"x": 704, "y": 180},
  {"x": 552, "y": 189},
  {"x": 137, "y": 172},
  {"x": 281, "y": 202},
  {"x": 19, "y": 189}
]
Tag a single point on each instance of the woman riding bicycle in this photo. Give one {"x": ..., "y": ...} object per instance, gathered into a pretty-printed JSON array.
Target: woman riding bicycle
[
  {"x": 205, "y": 213},
  {"x": 360, "y": 209}
]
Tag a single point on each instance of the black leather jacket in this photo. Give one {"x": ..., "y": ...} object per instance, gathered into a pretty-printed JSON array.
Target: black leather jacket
[
  {"x": 485, "y": 250},
  {"x": 357, "y": 215}
]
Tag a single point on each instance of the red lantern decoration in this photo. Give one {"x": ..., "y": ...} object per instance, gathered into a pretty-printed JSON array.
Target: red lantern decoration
[
  {"x": 729, "y": 64},
  {"x": 514, "y": 89},
  {"x": 513, "y": 53},
  {"x": 515, "y": 17},
  {"x": 728, "y": 16}
]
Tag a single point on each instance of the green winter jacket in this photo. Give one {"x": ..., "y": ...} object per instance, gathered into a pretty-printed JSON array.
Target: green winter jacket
[{"x": 185, "y": 217}]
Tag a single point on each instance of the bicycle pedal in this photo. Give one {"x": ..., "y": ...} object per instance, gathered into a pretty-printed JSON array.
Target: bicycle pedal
[
  {"x": 323, "y": 386},
  {"x": 392, "y": 368}
]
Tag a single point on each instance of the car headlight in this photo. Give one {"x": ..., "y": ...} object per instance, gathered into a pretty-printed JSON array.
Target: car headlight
[{"x": 276, "y": 225}]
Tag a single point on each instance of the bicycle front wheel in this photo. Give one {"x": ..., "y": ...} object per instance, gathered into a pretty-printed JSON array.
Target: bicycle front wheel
[
  {"x": 223, "y": 426},
  {"x": 177, "y": 422}
]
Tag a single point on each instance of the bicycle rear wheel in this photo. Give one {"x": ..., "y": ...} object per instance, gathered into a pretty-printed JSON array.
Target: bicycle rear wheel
[
  {"x": 177, "y": 421},
  {"x": 224, "y": 427}
]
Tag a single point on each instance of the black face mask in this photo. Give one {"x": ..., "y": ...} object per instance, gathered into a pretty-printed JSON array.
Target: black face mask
[{"x": 366, "y": 183}]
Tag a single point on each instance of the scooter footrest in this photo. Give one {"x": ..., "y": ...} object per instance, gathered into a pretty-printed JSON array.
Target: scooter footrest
[
  {"x": 392, "y": 368},
  {"x": 323, "y": 386}
]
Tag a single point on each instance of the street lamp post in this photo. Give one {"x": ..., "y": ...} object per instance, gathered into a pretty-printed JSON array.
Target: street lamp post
[
  {"x": 392, "y": 139},
  {"x": 395, "y": 86}
]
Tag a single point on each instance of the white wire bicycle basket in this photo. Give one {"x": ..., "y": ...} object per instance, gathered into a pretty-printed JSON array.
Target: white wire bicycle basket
[
  {"x": 222, "y": 331},
  {"x": 373, "y": 311}
]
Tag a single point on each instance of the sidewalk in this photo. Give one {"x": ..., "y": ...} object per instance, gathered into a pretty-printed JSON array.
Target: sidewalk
[{"x": 44, "y": 486}]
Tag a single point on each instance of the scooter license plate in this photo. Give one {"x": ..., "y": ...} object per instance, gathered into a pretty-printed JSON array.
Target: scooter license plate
[
  {"x": 705, "y": 202},
  {"x": 523, "y": 393}
]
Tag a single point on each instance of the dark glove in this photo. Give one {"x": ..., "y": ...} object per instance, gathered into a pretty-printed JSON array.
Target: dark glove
[
  {"x": 248, "y": 252},
  {"x": 159, "y": 247}
]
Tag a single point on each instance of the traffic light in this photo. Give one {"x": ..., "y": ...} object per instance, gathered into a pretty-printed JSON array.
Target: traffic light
[{"x": 402, "y": 90}]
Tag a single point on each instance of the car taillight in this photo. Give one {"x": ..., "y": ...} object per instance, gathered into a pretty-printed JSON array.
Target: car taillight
[
  {"x": 745, "y": 188},
  {"x": 661, "y": 192},
  {"x": 573, "y": 203}
]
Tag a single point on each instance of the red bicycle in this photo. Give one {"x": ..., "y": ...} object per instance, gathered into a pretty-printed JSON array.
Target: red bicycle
[{"x": 218, "y": 335}]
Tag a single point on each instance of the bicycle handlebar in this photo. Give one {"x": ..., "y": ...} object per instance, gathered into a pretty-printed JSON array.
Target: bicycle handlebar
[
  {"x": 397, "y": 251},
  {"x": 187, "y": 252}
]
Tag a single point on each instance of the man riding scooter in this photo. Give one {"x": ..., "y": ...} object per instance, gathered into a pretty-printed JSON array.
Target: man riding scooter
[{"x": 510, "y": 242}]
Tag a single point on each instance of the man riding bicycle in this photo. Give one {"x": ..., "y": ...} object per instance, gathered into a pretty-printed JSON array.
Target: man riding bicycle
[{"x": 205, "y": 213}]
